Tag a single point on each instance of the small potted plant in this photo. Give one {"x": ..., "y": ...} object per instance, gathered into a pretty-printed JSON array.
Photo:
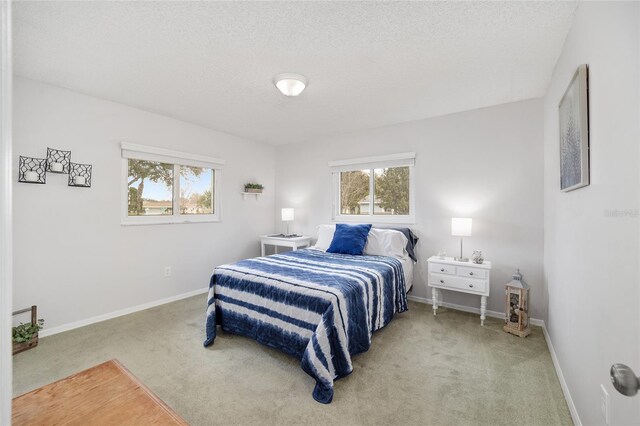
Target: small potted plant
[
  {"x": 253, "y": 188},
  {"x": 25, "y": 336}
]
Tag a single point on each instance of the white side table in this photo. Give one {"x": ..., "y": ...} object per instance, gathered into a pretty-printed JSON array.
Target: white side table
[
  {"x": 294, "y": 242},
  {"x": 464, "y": 277}
]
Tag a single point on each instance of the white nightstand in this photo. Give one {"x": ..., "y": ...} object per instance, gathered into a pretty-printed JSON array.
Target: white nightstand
[
  {"x": 464, "y": 277},
  {"x": 293, "y": 242}
]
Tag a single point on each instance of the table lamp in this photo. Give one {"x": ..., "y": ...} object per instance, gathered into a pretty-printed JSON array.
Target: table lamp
[
  {"x": 287, "y": 216},
  {"x": 461, "y": 227}
]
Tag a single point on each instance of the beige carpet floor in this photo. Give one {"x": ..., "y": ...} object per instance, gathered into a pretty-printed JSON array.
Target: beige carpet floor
[{"x": 421, "y": 369}]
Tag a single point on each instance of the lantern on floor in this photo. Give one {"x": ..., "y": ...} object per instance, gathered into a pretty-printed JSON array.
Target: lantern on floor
[{"x": 517, "y": 306}]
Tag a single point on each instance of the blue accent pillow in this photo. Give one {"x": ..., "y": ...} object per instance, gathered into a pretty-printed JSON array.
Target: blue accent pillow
[{"x": 349, "y": 239}]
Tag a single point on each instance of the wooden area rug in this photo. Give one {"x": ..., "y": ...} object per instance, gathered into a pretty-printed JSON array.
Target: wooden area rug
[{"x": 107, "y": 394}]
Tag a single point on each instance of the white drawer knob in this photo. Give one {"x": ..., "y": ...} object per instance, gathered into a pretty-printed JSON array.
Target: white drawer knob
[
  {"x": 442, "y": 281},
  {"x": 471, "y": 285},
  {"x": 442, "y": 270},
  {"x": 470, "y": 273}
]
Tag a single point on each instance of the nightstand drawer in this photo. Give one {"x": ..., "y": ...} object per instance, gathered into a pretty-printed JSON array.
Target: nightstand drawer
[
  {"x": 441, "y": 268},
  {"x": 471, "y": 272},
  {"x": 459, "y": 283}
]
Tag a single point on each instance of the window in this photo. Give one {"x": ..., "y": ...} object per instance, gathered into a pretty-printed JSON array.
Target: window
[
  {"x": 164, "y": 186},
  {"x": 391, "y": 191},
  {"x": 376, "y": 189},
  {"x": 354, "y": 192},
  {"x": 149, "y": 188},
  {"x": 196, "y": 190}
]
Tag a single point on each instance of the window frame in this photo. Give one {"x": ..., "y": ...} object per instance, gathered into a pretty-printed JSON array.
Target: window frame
[
  {"x": 176, "y": 159},
  {"x": 406, "y": 159}
]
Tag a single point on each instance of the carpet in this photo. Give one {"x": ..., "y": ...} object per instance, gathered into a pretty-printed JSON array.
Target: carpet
[{"x": 421, "y": 369}]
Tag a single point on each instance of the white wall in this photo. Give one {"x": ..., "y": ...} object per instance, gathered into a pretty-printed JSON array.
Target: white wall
[
  {"x": 6, "y": 239},
  {"x": 591, "y": 259},
  {"x": 486, "y": 164},
  {"x": 72, "y": 257}
]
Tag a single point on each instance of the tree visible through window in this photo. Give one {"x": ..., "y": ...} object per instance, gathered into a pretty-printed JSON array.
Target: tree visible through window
[
  {"x": 391, "y": 191},
  {"x": 354, "y": 192},
  {"x": 196, "y": 190},
  {"x": 151, "y": 189},
  {"x": 391, "y": 194}
]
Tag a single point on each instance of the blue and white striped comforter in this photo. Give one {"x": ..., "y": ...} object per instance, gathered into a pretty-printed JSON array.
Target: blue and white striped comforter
[{"x": 320, "y": 307}]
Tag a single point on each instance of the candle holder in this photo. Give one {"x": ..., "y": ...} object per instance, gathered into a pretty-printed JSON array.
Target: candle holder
[
  {"x": 32, "y": 170},
  {"x": 80, "y": 175},
  {"x": 58, "y": 161}
]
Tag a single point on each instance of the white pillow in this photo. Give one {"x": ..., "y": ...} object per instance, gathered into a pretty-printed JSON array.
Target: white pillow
[
  {"x": 325, "y": 236},
  {"x": 386, "y": 242}
]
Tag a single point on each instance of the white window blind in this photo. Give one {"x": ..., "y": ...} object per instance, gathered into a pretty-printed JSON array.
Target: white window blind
[
  {"x": 381, "y": 161},
  {"x": 150, "y": 153}
]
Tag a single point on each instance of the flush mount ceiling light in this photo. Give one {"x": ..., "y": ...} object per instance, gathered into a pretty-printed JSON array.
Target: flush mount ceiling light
[{"x": 290, "y": 84}]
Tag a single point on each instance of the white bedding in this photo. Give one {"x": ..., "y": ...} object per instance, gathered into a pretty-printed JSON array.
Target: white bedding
[
  {"x": 407, "y": 267},
  {"x": 380, "y": 242}
]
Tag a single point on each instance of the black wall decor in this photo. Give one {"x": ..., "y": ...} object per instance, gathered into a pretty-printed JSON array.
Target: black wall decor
[
  {"x": 80, "y": 175},
  {"x": 59, "y": 158},
  {"x": 32, "y": 170}
]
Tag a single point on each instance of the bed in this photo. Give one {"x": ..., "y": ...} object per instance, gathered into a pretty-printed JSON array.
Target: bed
[
  {"x": 407, "y": 268},
  {"x": 321, "y": 308}
]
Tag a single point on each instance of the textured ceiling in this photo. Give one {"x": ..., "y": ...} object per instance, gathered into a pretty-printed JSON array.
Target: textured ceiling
[{"x": 369, "y": 64}]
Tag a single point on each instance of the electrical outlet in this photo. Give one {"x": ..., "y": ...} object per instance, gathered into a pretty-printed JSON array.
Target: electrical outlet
[
  {"x": 167, "y": 271},
  {"x": 604, "y": 404}
]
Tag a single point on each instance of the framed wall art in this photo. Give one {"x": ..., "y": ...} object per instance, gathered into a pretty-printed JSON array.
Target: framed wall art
[{"x": 574, "y": 132}]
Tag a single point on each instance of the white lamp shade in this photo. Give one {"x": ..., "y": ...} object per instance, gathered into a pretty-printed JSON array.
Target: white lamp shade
[
  {"x": 461, "y": 226},
  {"x": 287, "y": 214},
  {"x": 290, "y": 84}
]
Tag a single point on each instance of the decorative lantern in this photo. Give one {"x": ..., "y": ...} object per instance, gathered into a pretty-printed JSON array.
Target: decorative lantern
[{"x": 517, "y": 306}]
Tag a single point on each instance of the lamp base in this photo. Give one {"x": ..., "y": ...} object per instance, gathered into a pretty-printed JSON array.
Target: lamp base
[{"x": 461, "y": 259}]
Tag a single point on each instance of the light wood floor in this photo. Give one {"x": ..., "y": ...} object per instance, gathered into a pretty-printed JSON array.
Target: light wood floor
[{"x": 107, "y": 394}]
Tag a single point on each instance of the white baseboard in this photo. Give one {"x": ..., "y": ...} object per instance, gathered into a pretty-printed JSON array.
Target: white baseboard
[
  {"x": 77, "y": 324},
  {"x": 563, "y": 383},
  {"x": 534, "y": 321},
  {"x": 492, "y": 314}
]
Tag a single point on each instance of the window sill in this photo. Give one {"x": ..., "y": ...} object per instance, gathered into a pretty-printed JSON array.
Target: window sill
[
  {"x": 376, "y": 219},
  {"x": 136, "y": 221}
]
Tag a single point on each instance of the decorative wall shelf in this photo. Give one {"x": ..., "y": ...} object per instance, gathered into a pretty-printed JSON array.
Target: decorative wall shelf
[
  {"x": 32, "y": 170},
  {"x": 244, "y": 194}
]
